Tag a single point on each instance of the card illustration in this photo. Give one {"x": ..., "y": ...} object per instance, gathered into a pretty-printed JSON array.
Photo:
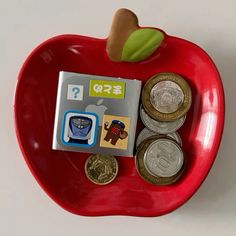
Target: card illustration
[
  {"x": 115, "y": 132},
  {"x": 79, "y": 129}
]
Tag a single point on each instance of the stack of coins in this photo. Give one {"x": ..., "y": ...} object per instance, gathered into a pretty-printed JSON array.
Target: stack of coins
[{"x": 166, "y": 99}]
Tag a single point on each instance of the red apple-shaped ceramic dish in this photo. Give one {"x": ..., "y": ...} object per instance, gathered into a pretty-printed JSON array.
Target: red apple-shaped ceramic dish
[{"x": 61, "y": 174}]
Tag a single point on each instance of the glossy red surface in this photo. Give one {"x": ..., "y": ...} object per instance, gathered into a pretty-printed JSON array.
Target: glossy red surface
[{"x": 61, "y": 174}]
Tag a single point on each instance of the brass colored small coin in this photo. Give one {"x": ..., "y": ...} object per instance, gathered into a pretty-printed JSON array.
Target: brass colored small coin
[
  {"x": 145, "y": 174},
  {"x": 166, "y": 97},
  {"x": 101, "y": 169}
]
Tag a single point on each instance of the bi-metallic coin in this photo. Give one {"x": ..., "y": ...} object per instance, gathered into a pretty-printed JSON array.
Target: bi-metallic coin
[
  {"x": 163, "y": 158},
  {"x": 166, "y": 97},
  {"x": 145, "y": 173}
]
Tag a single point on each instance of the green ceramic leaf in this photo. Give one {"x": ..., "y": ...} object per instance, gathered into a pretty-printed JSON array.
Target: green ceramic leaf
[{"x": 141, "y": 44}]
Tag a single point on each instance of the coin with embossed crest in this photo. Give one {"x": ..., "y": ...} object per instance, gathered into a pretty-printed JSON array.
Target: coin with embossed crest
[
  {"x": 149, "y": 175},
  {"x": 101, "y": 169},
  {"x": 166, "y": 97},
  {"x": 163, "y": 158},
  {"x": 161, "y": 127},
  {"x": 146, "y": 133}
]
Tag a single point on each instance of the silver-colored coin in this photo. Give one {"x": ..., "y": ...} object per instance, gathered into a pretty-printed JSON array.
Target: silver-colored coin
[
  {"x": 146, "y": 133},
  {"x": 166, "y": 96},
  {"x": 163, "y": 158},
  {"x": 161, "y": 127},
  {"x": 176, "y": 137}
]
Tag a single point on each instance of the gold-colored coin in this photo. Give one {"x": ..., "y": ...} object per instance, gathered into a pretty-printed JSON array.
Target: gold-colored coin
[
  {"x": 142, "y": 170},
  {"x": 101, "y": 169},
  {"x": 166, "y": 97}
]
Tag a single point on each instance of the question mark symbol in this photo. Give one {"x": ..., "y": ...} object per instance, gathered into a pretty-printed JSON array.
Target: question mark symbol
[{"x": 75, "y": 90}]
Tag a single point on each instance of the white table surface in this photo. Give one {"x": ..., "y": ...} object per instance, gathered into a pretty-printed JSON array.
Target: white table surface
[{"x": 24, "y": 208}]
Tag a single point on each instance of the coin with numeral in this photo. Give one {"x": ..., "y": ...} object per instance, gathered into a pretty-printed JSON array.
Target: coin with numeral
[
  {"x": 166, "y": 97},
  {"x": 163, "y": 158},
  {"x": 161, "y": 127},
  {"x": 148, "y": 169},
  {"x": 101, "y": 169}
]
